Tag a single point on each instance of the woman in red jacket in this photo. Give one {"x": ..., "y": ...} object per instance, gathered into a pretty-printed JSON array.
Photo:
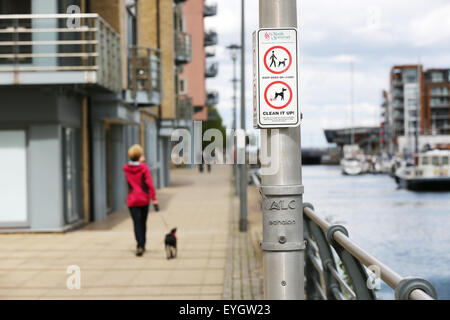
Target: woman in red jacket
[{"x": 140, "y": 192}]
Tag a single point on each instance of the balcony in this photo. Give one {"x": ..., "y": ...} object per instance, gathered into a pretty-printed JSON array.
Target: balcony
[
  {"x": 211, "y": 38},
  {"x": 397, "y": 82},
  {"x": 209, "y": 10},
  {"x": 440, "y": 105},
  {"x": 210, "y": 53},
  {"x": 397, "y": 94},
  {"x": 183, "y": 48},
  {"x": 184, "y": 111},
  {"x": 212, "y": 70},
  {"x": 212, "y": 98},
  {"x": 398, "y": 116},
  {"x": 39, "y": 49},
  {"x": 397, "y": 104},
  {"x": 144, "y": 76}
]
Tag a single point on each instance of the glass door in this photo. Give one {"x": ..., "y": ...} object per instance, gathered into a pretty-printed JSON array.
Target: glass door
[{"x": 72, "y": 174}]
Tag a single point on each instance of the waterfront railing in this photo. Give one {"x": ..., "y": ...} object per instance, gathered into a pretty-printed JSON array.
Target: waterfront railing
[{"x": 336, "y": 268}]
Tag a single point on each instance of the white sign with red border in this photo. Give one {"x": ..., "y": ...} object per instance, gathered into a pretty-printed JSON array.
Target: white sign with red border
[{"x": 275, "y": 78}]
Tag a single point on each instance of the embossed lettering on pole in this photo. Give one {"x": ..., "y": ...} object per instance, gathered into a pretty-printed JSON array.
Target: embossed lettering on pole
[{"x": 275, "y": 78}]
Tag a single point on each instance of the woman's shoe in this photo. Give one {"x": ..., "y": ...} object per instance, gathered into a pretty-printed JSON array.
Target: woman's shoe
[{"x": 139, "y": 252}]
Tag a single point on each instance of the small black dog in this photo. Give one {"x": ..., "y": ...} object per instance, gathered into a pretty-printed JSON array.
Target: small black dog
[{"x": 171, "y": 244}]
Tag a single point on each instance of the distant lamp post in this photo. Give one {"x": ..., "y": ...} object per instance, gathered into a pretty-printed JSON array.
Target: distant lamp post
[{"x": 234, "y": 49}]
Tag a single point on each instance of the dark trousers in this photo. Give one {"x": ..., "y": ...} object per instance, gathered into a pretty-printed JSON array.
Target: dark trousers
[{"x": 139, "y": 215}]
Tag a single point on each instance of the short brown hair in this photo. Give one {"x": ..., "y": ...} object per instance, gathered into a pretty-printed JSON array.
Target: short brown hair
[{"x": 135, "y": 152}]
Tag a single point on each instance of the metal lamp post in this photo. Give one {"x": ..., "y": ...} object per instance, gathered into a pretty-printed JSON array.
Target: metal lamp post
[
  {"x": 243, "y": 167},
  {"x": 283, "y": 247},
  {"x": 234, "y": 52}
]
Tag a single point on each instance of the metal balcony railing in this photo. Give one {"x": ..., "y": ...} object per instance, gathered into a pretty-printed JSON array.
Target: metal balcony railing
[
  {"x": 443, "y": 105},
  {"x": 144, "y": 71},
  {"x": 397, "y": 105},
  {"x": 184, "y": 110},
  {"x": 212, "y": 98},
  {"x": 328, "y": 247},
  {"x": 212, "y": 70},
  {"x": 397, "y": 94},
  {"x": 398, "y": 115},
  {"x": 211, "y": 38},
  {"x": 42, "y": 49},
  {"x": 210, "y": 53},
  {"x": 183, "y": 47},
  {"x": 209, "y": 10}
]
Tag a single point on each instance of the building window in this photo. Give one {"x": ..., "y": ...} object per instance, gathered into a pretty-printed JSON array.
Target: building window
[
  {"x": 183, "y": 86},
  {"x": 445, "y": 161},
  {"x": 411, "y": 92},
  {"x": 412, "y": 102},
  {"x": 411, "y": 75},
  {"x": 437, "y": 77},
  {"x": 15, "y": 7},
  {"x": 412, "y": 113}
]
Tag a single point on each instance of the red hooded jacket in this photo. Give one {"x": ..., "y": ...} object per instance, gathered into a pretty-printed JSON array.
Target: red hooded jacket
[{"x": 140, "y": 184}]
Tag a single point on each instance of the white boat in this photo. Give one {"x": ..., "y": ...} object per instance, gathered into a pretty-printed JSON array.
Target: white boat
[
  {"x": 431, "y": 171},
  {"x": 351, "y": 166},
  {"x": 353, "y": 162}
]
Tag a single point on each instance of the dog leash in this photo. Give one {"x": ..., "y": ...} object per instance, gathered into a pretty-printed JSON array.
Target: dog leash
[{"x": 156, "y": 208}]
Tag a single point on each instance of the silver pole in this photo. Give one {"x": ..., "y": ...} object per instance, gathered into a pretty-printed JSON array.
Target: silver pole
[
  {"x": 235, "y": 126},
  {"x": 352, "y": 102},
  {"x": 283, "y": 244},
  {"x": 243, "y": 167}
]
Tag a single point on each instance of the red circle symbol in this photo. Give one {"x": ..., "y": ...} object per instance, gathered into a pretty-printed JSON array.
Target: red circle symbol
[
  {"x": 281, "y": 48},
  {"x": 268, "y": 101}
]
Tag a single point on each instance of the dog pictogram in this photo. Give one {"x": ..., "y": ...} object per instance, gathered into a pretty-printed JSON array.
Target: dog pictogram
[
  {"x": 277, "y": 60},
  {"x": 280, "y": 94},
  {"x": 282, "y": 63}
]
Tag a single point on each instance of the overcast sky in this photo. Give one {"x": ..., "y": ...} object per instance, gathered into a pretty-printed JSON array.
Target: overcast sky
[{"x": 375, "y": 34}]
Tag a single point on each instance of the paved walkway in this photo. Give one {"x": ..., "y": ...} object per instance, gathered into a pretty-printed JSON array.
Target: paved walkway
[
  {"x": 33, "y": 266},
  {"x": 243, "y": 272}
]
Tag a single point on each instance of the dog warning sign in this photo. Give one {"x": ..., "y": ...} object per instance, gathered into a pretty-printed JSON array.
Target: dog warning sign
[{"x": 275, "y": 82}]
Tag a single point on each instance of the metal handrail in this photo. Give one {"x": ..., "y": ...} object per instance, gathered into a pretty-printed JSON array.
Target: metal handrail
[
  {"x": 389, "y": 276},
  {"x": 94, "y": 46},
  {"x": 324, "y": 241}
]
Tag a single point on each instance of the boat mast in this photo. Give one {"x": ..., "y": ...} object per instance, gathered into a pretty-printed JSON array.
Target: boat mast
[
  {"x": 419, "y": 88},
  {"x": 352, "y": 98}
]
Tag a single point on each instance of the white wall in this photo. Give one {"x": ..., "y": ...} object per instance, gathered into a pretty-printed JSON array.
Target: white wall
[{"x": 13, "y": 178}]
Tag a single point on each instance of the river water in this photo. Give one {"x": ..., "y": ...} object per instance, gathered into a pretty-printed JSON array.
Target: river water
[{"x": 408, "y": 231}]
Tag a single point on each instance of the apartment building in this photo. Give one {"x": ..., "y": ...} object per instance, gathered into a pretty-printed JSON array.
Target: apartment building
[
  {"x": 417, "y": 102},
  {"x": 77, "y": 91},
  {"x": 193, "y": 77},
  {"x": 437, "y": 100}
]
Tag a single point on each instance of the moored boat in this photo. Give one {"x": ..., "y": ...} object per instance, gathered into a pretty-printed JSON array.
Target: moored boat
[{"x": 431, "y": 171}]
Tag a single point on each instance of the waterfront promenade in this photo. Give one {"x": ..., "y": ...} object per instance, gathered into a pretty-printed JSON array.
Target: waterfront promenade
[{"x": 214, "y": 260}]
